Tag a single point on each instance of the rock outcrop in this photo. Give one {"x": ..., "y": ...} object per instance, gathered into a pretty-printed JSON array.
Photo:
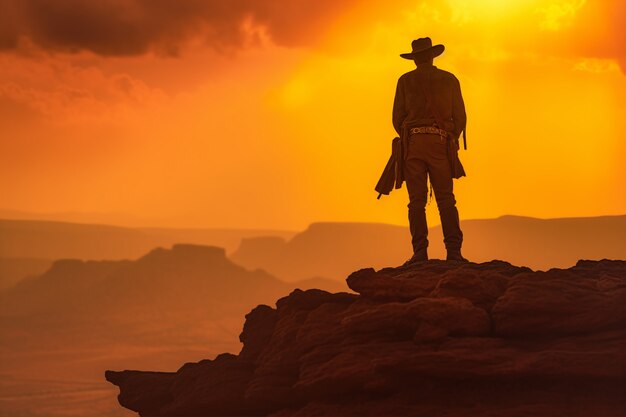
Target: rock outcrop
[{"x": 439, "y": 338}]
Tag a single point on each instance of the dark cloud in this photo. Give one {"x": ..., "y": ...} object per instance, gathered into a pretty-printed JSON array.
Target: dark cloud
[{"x": 131, "y": 27}]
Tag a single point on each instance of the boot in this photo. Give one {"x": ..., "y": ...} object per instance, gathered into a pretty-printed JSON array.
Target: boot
[
  {"x": 418, "y": 257},
  {"x": 455, "y": 255}
]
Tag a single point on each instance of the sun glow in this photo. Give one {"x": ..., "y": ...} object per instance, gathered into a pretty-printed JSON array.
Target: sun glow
[
  {"x": 302, "y": 133},
  {"x": 552, "y": 14},
  {"x": 476, "y": 10}
]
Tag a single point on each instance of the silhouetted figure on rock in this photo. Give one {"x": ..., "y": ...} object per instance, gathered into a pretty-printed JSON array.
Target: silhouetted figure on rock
[{"x": 429, "y": 116}]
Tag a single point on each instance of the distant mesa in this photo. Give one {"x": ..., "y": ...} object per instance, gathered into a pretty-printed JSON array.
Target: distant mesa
[
  {"x": 183, "y": 252},
  {"x": 291, "y": 256},
  {"x": 342, "y": 247},
  {"x": 61, "y": 327},
  {"x": 53, "y": 239},
  {"x": 186, "y": 277},
  {"x": 13, "y": 270},
  {"x": 345, "y": 247},
  {"x": 440, "y": 338},
  {"x": 270, "y": 246}
]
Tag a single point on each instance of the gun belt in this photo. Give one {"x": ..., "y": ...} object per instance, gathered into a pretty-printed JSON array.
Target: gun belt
[{"x": 429, "y": 129}]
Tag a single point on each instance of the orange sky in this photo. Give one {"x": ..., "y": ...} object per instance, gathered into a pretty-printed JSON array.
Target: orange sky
[{"x": 277, "y": 114}]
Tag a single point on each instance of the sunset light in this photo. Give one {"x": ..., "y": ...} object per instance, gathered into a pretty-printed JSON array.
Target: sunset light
[
  {"x": 154, "y": 135},
  {"x": 267, "y": 208}
]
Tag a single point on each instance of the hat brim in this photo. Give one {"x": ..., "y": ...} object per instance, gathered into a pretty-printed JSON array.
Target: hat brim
[{"x": 435, "y": 50}]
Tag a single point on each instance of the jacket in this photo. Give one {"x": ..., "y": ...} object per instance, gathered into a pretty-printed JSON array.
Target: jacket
[
  {"x": 412, "y": 107},
  {"x": 429, "y": 96}
]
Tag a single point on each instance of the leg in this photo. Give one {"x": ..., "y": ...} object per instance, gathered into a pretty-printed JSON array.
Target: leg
[
  {"x": 415, "y": 174},
  {"x": 441, "y": 179}
]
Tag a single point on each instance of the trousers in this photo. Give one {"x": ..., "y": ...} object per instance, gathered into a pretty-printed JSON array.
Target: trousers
[{"x": 426, "y": 157}]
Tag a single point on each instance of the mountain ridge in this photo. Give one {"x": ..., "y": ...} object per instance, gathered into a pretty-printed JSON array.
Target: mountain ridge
[
  {"x": 44, "y": 239},
  {"x": 293, "y": 256},
  {"x": 184, "y": 270},
  {"x": 537, "y": 243}
]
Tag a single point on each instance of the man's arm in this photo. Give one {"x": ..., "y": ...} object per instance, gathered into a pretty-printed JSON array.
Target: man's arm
[
  {"x": 399, "y": 108},
  {"x": 458, "y": 109}
]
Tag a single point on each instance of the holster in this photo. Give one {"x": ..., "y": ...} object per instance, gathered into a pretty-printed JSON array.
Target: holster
[
  {"x": 400, "y": 149},
  {"x": 456, "y": 168}
]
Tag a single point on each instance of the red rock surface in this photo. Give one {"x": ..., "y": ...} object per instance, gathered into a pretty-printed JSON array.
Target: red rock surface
[{"x": 436, "y": 339}]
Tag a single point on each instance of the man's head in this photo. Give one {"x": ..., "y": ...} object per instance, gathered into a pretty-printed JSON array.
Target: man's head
[
  {"x": 423, "y": 51},
  {"x": 424, "y": 58}
]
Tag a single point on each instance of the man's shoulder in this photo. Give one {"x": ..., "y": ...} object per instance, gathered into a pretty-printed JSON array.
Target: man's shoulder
[
  {"x": 408, "y": 75},
  {"x": 445, "y": 74},
  {"x": 436, "y": 71}
]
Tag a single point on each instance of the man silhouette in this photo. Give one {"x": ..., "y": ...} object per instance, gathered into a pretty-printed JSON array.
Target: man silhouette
[{"x": 429, "y": 115}]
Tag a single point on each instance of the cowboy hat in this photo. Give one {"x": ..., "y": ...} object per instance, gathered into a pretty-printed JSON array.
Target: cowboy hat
[{"x": 421, "y": 46}]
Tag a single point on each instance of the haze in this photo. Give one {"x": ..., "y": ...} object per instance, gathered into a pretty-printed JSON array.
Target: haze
[{"x": 262, "y": 115}]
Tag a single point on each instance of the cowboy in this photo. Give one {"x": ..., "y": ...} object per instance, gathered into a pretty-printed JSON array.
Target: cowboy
[{"x": 429, "y": 116}]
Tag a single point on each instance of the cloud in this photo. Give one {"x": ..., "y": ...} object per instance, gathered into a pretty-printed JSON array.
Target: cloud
[
  {"x": 597, "y": 66},
  {"x": 594, "y": 31},
  {"x": 575, "y": 30},
  {"x": 557, "y": 14},
  {"x": 64, "y": 92},
  {"x": 133, "y": 27},
  {"x": 612, "y": 42}
]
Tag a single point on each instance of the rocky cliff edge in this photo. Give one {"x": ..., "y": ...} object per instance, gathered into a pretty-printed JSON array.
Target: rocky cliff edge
[{"x": 439, "y": 338}]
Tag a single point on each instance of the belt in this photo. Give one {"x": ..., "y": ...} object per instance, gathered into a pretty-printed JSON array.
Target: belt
[{"x": 429, "y": 129}]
